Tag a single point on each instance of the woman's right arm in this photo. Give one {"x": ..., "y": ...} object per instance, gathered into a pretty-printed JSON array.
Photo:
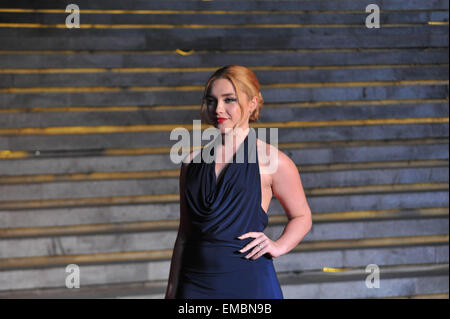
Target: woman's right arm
[
  {"x": 181, "y": 237},
  {"x": 174, "y": 269}
]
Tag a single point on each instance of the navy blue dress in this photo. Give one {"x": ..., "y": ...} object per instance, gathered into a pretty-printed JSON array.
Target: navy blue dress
[{"x": 219, "y": 212}]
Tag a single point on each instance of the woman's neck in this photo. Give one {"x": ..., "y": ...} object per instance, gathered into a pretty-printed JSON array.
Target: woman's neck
[
  {"x": 235, "y": 137},
  {"x": 230, "y": 143}
]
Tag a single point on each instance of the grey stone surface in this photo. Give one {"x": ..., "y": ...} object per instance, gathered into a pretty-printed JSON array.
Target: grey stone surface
[{"x": 417, "y": 54}]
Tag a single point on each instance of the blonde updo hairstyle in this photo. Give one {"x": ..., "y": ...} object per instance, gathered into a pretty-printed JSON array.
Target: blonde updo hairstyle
[{"x": 245, "y": 84}]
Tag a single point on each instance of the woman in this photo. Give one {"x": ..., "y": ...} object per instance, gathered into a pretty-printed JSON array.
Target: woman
[{"x": 221, "y": 250}]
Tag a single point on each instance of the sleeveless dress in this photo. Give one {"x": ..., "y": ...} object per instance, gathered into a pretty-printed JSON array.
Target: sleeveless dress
[{"x": 219, "y": 212}]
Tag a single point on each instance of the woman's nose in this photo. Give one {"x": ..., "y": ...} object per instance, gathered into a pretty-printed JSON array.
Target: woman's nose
[{"x": 220, "y": 108}]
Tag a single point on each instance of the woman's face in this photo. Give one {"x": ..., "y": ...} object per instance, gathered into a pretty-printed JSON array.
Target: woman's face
[{"x": 224, "y": 107}]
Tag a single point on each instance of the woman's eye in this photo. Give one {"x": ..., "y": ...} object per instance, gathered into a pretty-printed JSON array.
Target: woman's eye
[{"x": 213, "y": 103}]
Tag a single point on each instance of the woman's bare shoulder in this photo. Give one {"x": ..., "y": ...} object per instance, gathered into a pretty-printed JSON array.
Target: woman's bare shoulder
[
  {"x": 269, "y": 157},
  {"x": 267, "y": 150},
  {"x": 263, "y": 146}
]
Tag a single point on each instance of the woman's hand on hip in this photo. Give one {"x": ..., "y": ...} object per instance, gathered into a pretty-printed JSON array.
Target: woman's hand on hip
[{"x": 261, "y": 245}]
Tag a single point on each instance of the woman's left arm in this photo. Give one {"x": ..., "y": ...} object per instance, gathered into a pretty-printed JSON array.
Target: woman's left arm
[{"x": 287, "y": 187}]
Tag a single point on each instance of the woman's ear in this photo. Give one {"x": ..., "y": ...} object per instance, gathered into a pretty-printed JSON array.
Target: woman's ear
[{"x": 253, "y": 104}]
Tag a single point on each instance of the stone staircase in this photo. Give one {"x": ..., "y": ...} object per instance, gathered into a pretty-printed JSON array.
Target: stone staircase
[{"x": 86, "y": 116}]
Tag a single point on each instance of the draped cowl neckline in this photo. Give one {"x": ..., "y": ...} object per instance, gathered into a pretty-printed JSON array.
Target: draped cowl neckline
[{"x": 229, "y": 205}]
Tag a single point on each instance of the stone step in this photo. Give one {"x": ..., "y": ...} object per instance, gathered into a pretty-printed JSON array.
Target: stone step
[
  {"x": 394, "y": 281},
  {"x": 213, "y": 38},
  {"x": 359, "y": 192},
  {"x": 170, "y": 185},
  {"x": 113, "y": 211},
  {"x": 306, "y": 284},
  {"x": 157, "y": 95},
  {"x": 164, "y": 239},
  {"x": 233, "y": 17},
  {"x": 443, "y": 295},
  {"x": 33, "y": 262},
  {"x": 172, "y": 224},
  {"x": 213, "y": 60},
  {"x": 149, "y": 174},
  {"x": 312, "y": 156},
  {"x": 137, "y": 77},
  {"x": 135, "y": 269},
  {"x": 231, "y": 5},
  {"x": 130, "y": 137},
  {"x": 19, "y": 118}
]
